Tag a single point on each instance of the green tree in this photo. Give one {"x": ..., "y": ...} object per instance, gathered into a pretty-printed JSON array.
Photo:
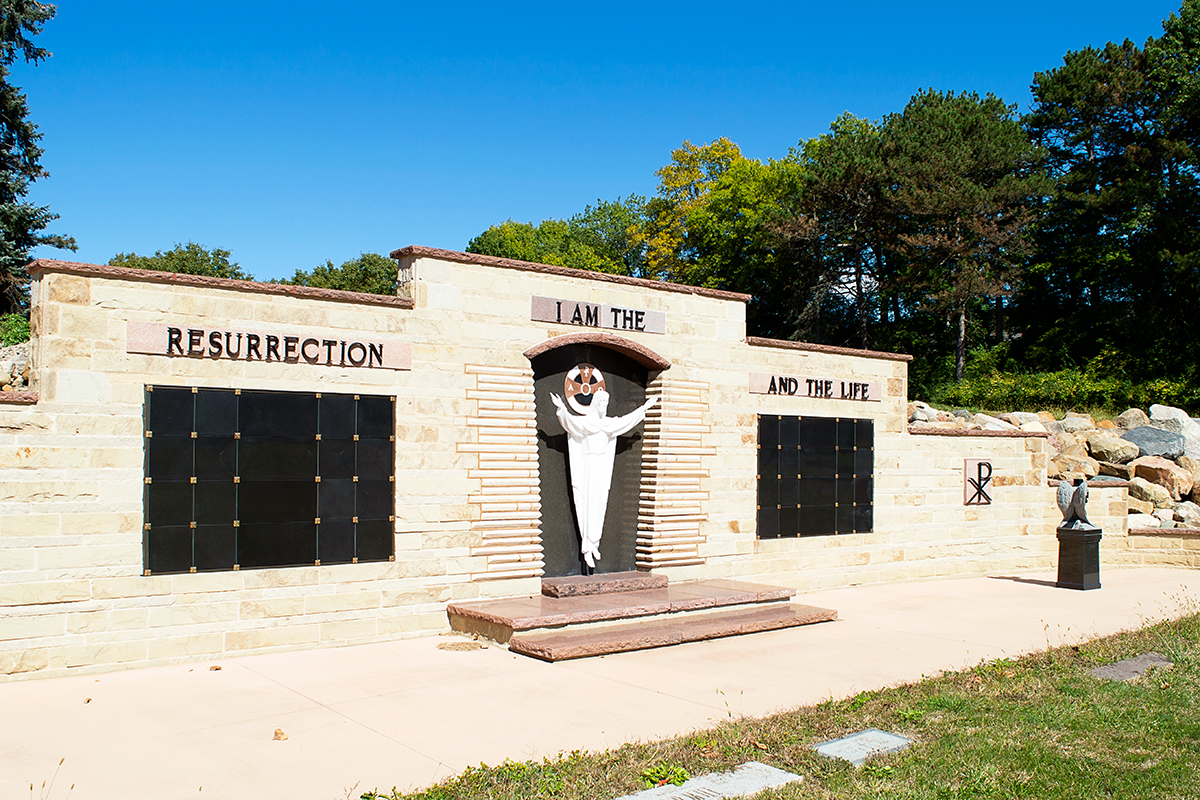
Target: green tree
[
  {"x": 606, "y": 237},
  {"x": 549, "y": 242},
  {"x": 189, "y": 259},
  {"x": 842, "y": 229},
  {"x": 370, "y": 273},
  {"x": 613, "y": 230},
  {"x": 733, "y": 241},
  {"x": 965, "y": 181},
  {"x": 1118, "y": 244},
  {"x": 21, "y": 222},
  {"x": 671, "y": 253}
]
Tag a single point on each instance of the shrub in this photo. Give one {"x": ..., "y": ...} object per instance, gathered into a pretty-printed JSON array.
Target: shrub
[
  {"x": 1067, "y": 388},
  {"x": 14, "y": 329}
]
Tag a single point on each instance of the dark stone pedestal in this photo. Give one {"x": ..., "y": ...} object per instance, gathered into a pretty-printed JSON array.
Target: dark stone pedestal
[{"x": 1079, "y": 558}]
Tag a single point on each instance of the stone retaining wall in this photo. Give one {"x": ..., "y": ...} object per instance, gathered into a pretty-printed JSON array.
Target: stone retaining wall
[{"x": 73, "y": 593}]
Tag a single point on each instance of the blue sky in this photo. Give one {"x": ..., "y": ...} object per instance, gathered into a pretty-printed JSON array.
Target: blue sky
[{"x": 292, "y": 133}]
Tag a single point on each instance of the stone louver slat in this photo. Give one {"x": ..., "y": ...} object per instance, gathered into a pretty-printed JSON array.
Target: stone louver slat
[
  {"x": 507, "y": 504},
  {"x": 670, "y": 506}
]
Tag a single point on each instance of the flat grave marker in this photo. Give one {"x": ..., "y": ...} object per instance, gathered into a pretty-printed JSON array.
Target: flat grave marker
[
  {"x": 1131, "y": 669},
  {"x": 748, "y": 779},
  {"x": 858, "y": 747}
]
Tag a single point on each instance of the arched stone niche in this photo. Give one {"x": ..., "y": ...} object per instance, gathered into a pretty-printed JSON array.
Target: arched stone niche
[{"x": 627, "y": 368}]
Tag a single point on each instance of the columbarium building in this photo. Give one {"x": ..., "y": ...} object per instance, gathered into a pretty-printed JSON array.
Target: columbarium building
[{"x": 205, "y": 467}]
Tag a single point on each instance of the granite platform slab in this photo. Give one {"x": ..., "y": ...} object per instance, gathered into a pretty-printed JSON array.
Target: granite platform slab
[
  {"x": 492, "y": 618},
  {"x": 604, "y": 583},
  {"x": 596, "y": 641}
]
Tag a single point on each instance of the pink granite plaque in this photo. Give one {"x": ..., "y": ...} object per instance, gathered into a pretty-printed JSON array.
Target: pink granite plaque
[
  {"x": 818, "y": 388},
  {"x": 597, "y": 315},
  {"x": 243, "y": 344}
]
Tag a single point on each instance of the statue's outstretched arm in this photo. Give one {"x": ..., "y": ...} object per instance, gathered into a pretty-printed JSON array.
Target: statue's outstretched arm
[
  {"x": 623, "y": 425},
  {"x": 565, "y": 418}
]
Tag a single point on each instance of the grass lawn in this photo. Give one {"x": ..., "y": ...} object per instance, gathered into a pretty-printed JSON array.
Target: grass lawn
[{"x": 1036, "y": 727}]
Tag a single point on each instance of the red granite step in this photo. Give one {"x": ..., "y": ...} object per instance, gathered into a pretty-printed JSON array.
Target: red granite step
[
  {"x": 596, "y": 641},
  {"x": 498, "y": 619},
  {"x": 605, "y": 583}
]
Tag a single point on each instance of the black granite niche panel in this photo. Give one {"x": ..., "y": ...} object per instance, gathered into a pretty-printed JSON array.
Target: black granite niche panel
[
  {"x": 815, "y": 476},
  {"x": 236, "y": 479},
  {"x": 625, "y": 381}
]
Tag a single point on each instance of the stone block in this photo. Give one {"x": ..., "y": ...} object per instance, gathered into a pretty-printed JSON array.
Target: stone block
[
  {"x": 349, "y": 630},
  {"x": 31, "y": 627},
  {"x": 78, "y": 386},
  {"x": 192, "y": 614},
  {"x": 274, "y": 578},
  {"x": 13, "y": 662},
  {"x": 353, "y": 601},
  {"x": 30, "y": 524},
  {"x": 415, "y": 597},
  {"x": 97, "y": 621},
  {"x": 105, "y": 653},
  {"x": 184, "y": 647},
  {"x": 271, "y": 607},
  {"x": 70, "y": 289},
  {"x": 140, "y": 586},
  {"x": 207, "y": 582},
  {"x": 89, "y": 557},
  {"x": 260, "y": 638},
  {"x": 44, "y": 593}
]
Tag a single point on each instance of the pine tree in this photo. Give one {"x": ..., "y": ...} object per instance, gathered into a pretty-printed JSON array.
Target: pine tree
[{"x": 21, "y": 222}]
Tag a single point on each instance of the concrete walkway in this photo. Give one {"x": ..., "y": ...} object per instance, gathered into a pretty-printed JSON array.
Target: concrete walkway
[{"x": 408, "y": 714}]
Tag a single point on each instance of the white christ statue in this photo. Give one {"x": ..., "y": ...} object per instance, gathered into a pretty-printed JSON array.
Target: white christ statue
[{"x": 591, "y": 448}]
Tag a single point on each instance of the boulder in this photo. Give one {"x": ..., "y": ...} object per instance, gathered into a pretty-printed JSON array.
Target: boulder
[
  {"x": 1106, "y": 425},
  {"x": 1152, "y": 493},
  {"x": 1132, "y": 418},
  {"x": 1138, "y": 506},
  {"x": 1168, "y": 474},
  {"x": 1063, "y": 464},
  {"x": 1033, "y": 427},
  {"x": 1169, "y": 425},
  {"x": 921, "y": 412},
  {"x": 1188, "y": 426},
  {"x": 1187, "y": 514},
  {"x": 989, "y": 423},
  {"x": 1046, "y": 416},
  {"x": 1122, "y": 471},
  {"x": 1164, "y": 516},
  {"x": 1069, "y": 445},
  {"x": 1155, "y": 442},
  {"x": 1073, "y": 423},
  {"x": 1020, "y": 418},
  {"x": 1106, "y": 447},
  {"x": 1143, "y": 521},
  {"x": 1191, "y": 464}
]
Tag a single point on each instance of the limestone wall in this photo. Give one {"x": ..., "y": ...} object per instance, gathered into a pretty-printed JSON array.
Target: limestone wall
[{"x": 73, "y": 593}]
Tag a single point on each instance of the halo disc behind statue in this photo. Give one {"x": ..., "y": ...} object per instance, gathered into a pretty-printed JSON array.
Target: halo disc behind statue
[{"x": 581, "y": 385}]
